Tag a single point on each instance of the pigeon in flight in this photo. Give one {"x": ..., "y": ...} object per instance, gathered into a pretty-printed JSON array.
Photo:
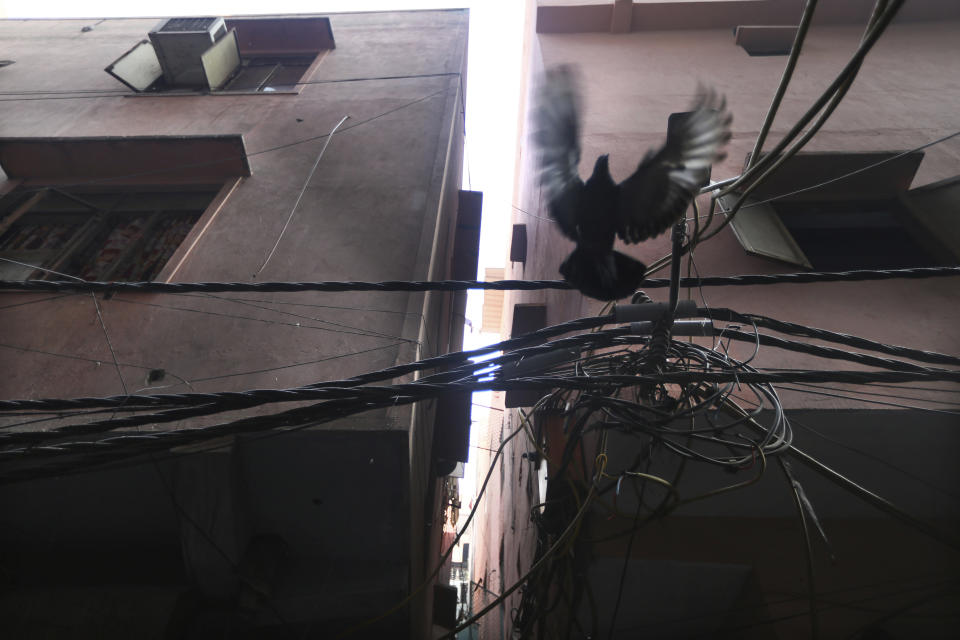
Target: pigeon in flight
[{"x": 595, "y": 212}]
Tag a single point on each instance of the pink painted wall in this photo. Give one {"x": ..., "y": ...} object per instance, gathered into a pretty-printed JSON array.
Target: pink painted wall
[{"x": 903, "y": 97}]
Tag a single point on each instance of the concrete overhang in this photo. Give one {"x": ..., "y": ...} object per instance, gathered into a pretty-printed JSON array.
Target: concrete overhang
[
  {"x": 289, "y": 35},
  {"x": 583, "y": 16},
  {"x": 125, "y": 160}
]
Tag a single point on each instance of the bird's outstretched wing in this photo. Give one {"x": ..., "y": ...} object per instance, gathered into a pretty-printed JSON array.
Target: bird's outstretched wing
[
  {"x": 659, "y": 191},
  {"x": 557, "y": 134}
]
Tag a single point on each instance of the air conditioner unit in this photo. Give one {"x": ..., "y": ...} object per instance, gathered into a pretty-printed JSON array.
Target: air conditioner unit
[{"x": 179, "y": 43}]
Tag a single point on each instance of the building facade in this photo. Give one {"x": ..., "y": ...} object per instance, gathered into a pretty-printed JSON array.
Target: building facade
[
  {"x": 733, "y": 565},
  {"x": 250, "y": 149}
]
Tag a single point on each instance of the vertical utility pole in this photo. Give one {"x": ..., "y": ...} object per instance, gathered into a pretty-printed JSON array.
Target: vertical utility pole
[{"x": 679, "y": 232}]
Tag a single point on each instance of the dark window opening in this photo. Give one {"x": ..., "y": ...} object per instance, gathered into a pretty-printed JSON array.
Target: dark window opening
[
  {"x": 270, "y": 73},
  {"x": 765, "y": 40},
  {"x": 841, "y": 236},
  {"x": 518, "y": 244},
  {"x": 121, "y": 235},
  {"x": 266, "y": 74},
  {"x": 527, "y": 318}
]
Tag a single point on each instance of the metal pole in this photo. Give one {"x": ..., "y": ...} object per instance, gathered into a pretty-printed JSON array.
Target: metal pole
[{"x": 679, "y": 232}]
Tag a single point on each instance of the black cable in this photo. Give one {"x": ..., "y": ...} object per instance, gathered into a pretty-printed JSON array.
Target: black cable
[
  {"x": 796, "y": 492},
  {"x": 235, "y": 316},
  {"x": 463, "y": 285},
  {"x": 240, "y": 156},
  {"x": 730, "y": 315},
  {"x": 241, "y": 398},
  {"x": 899, "y": 405},
  {"x": 288, "y": 287},
  {"x": 210, "y": 540},
  {"x": 339, "y": 389},
  {"x": 390, "y": 372},
  {"x": 25, "y": 303},
  {"x": 865, "y": 632},
  {"x": 210, "y": 405},
  {"x": 870, "y": 456},
  {"x": 449, "y": 552},
  {"x": 649, "y": 629},
  {"x": 825, "y": 104},
  {"x": 887, "y": 394},
  {"x": 626, "y": 564},
  {"x": 826, "y": 352},
  {"x": 96, "y": 93}
]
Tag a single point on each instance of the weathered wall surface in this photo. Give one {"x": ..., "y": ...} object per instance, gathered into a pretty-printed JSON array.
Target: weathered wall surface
[
  {"x": 683, "y": 567},
  {"x": 381, "y": 206},
  {"x": 374, "y": 198},
  {"x": 632, "y": 82}
]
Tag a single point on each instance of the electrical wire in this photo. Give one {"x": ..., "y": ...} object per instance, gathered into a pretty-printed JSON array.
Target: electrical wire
[
  {"x": 802, "y": 424},
  {"x": 533, "y": 570},
  {"x": 804, "y": 25},
  {"x": 808, "y": 548},
  {"x": 110, "y": 92},
  {"x": 792, "y": 328},
  {"x": 254, "y": 305},
  {"x": 235, "y": 316},
  {"x": 873, "y": 165},
  {"x": 883, "y": 14},
  {"x": 649, "y": 628},
  {"x": 233, "y": 158},
  {"x": 887, "y": 394},
  {"x": 428, "y": 580},
  {"x": 639, "y": 386},
  {"x": 463, "y": 285},
  {"x": 303, "y": 190},
  {"x": 898, "y": 405},
  {"x": 612, "y": 365}
]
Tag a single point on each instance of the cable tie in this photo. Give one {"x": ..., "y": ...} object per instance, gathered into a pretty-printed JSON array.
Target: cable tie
[
  {"x": 680, "y": 328},
  {"x": 539, "y": 362},
  {"x": 652, "y": 311}
]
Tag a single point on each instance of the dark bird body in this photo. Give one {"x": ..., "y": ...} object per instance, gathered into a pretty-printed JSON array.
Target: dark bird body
[{"x": 594, "y": 213}]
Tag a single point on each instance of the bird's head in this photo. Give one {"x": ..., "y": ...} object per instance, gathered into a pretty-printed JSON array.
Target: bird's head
[{"x": 601, "y": 168}]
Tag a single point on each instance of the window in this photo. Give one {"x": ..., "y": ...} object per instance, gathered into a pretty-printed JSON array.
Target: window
[
  {"x": 518, "y": 244},
  {"x": 269, "y": 73},
  {"x": 225, "y": 55},
  {"x": 110, "y": 208},
  {"x": 492, "y": 302},
  {"x": 527, "y": 318},
  {"x": 765, "y": 40},
  {"x": 869, "y": 220},
  {"x": 121, "y": 235},
  {"x": 854, "y": 235}
]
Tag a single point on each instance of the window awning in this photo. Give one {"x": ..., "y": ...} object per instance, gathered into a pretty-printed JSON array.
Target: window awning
[
  {"x": 125, "y": 160},
  {"x": 841, "y": 176},
  {"x": 282, "y": 36},
  {"x": 808, "y": 168}
]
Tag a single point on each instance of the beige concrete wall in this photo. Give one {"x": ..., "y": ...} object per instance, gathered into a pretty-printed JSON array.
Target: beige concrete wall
[
  {"x": 381, "y": 206},
  {"x": 578, "y": 16},
  {"x": 371, "y": 211}
]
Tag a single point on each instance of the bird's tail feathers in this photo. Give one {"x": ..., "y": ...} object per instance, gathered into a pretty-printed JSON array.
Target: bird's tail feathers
[{"x": 603, "y": 275}]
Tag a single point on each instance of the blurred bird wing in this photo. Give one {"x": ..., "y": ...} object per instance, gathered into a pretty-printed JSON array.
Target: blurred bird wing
[
  {"x": 557, "y": 134},
  {"x": 660, "y": 190}
]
